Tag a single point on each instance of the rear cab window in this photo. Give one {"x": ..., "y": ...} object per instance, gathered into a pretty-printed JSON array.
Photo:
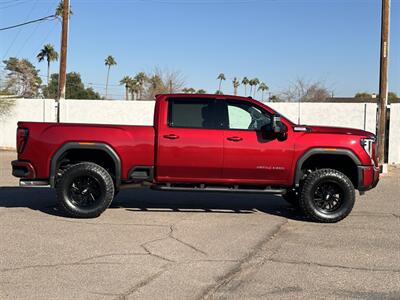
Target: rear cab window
[{"x": 192, "y": 113}]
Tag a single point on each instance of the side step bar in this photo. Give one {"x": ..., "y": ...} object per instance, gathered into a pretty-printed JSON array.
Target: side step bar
[
  {"x": 203, "y": 188},
  {"x": 33, "y": 183}
]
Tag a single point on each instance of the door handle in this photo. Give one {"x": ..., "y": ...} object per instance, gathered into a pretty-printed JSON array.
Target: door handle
[
  {"x": 171, "y": 136},
  {"x": 235, "y": 138}
]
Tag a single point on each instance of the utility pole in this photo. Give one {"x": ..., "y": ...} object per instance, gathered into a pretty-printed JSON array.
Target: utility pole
[
  {"x": 383, "y": 80},
  {"x": 62, "y": 75},
  {"x": 170, "y": 86}
]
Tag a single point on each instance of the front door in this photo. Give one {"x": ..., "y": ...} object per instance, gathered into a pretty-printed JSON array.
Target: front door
[
  {"x": 190, "y": 145},
  {"x": 252, "y": 154}
]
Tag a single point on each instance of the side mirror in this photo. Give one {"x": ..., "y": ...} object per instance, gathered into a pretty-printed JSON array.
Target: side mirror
[
  {"x": 276, "y": 123},
  {"x": 280, "y": 130}
]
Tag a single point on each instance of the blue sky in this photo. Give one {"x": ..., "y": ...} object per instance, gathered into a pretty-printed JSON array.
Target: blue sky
[{"x": 332, "y": 41}]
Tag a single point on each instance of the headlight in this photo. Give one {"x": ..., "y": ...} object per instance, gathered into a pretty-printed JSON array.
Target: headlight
[{"x": 367, "y": 144}]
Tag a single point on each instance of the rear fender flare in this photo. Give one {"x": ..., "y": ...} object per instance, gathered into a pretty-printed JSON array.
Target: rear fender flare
[{"x": 84, "y": 145}]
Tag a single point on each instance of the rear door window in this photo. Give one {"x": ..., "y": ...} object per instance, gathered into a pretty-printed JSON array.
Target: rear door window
[{"x": 192, "y": 113}]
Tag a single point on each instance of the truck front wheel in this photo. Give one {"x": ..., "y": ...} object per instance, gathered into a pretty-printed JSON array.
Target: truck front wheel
[
  {"x": 85, "y": 190},
  {"x": 327, "y": 196}
]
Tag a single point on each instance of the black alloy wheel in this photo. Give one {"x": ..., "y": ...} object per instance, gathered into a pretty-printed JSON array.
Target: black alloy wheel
[
  {"x": 327, "y": 196},
  {"x": 85, "y": 190}
]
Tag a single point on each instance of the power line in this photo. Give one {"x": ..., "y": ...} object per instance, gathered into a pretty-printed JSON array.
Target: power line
[
  {"x": 19, "y": 31},
  {"x": 35, "y": 29},
  {"x": 15, "y": 3},
  {"x": 48, "y": 18}
]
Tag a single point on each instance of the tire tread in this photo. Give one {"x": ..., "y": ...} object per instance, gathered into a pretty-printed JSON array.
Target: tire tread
[
  {"x": 90, "y": 167},
  {"x": 308, "y": 185}
]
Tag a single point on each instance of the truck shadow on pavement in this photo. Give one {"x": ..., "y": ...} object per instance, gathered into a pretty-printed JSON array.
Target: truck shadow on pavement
[{"x": 146, "y": 200}]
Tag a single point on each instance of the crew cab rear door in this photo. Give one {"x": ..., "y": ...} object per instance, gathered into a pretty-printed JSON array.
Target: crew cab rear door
[
  {"x": 189, "y": 142},
  {"x": 252, "y": 154}
]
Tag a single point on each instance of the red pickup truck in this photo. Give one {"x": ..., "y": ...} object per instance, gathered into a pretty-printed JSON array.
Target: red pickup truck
[{"x": 215, "y": 143}]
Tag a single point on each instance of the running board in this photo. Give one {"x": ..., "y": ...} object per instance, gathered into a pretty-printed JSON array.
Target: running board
[
  {"x": 203, "y": 188},
  {"x": 33, "y": 183}
]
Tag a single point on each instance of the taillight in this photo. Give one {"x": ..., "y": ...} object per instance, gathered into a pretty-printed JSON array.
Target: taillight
[{"x": 22, "y": 138}]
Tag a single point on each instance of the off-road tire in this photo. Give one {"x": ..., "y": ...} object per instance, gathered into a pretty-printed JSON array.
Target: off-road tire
[
  {"x": 104, "y": 189},
  {"x": 316, "y": 180}
]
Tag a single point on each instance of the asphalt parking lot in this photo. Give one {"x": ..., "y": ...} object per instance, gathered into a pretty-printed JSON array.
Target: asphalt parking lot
[{"x": 158, "y": 245}]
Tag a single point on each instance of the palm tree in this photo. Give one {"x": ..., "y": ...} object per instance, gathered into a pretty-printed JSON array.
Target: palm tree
[
  {"x": 109, "y": 62},
  {"x": 251, "y": 83},
  {"x": 188, "y": 90},
  {"x": 245, "y": 82},
  {"x": 141, "y": 78},
  {"x": 201, "y": 91},
  {"x": 50, "y": 55},
  {"x": 263, "y": 87},
  {"x": 126, "y": 81},
  {"x": 60, "y": 8},
  {"x": 256, "y": 82},
  {"x": 221, "y": 77},
  {"x": 133, "y": 87},
  {"x": 235, "y": 85}
]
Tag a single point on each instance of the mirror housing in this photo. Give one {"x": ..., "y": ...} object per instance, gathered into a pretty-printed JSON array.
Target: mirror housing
[
  {"x": 276, "y": 123},
  {"x": 280, "y": 129}
]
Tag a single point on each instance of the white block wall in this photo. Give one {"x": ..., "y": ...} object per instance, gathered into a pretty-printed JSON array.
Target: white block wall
[
  {"x": 394, "y": 134},
  {"x": 107, "y": 112},
  {"x": 37, "y": 110},
  {"x": 356, "y": 115}
]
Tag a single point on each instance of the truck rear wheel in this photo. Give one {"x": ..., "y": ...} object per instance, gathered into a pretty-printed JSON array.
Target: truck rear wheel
[
  {"x": 327, "y": 196},
  {"x": 85, "y": 190}
]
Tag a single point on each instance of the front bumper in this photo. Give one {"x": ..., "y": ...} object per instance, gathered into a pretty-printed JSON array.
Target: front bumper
[{"x": 368, "y": 177}]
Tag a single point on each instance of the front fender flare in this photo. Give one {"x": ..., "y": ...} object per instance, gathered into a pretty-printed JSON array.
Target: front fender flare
[{"x": 314, "y": 151}]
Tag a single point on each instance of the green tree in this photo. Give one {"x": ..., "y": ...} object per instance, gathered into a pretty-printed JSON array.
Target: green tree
[
  {"x": 218, "y": 92},
  {"x": 363, "y": 95},
  {"x": 133, "y": 87},
  {"x": 22, "y": 77},
  {"x": 141, "y": 78},
  {"x": 75, "y": 89},
  {"x": 189, "y": 90},
  {"x": 392, "y": 97},
  {"x": 251, "y": 84},
  {"x": 201, "y": 91},
  {"x": 60, "y": 8},
  {"x": 245, "y": 82},
  {"x": 109, "y": 62},
  {"x": 125, "y": 81},
  {"x": 220, "y": 77},
  {"x": 274, "y": 98},
  {"x": 236, "y": 84},
  {"x": 263, "y": 88},
  {"x": 48, "y": 53},
  {"x": 156, "y": 86},
  {"x": 256, "y": 82}
]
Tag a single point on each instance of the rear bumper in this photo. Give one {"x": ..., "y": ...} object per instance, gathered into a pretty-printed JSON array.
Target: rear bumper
[
  {"x": 27, "y": 174},
  {"x": 368, "y": 177},
  {"x": 23, "y": 169}
]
